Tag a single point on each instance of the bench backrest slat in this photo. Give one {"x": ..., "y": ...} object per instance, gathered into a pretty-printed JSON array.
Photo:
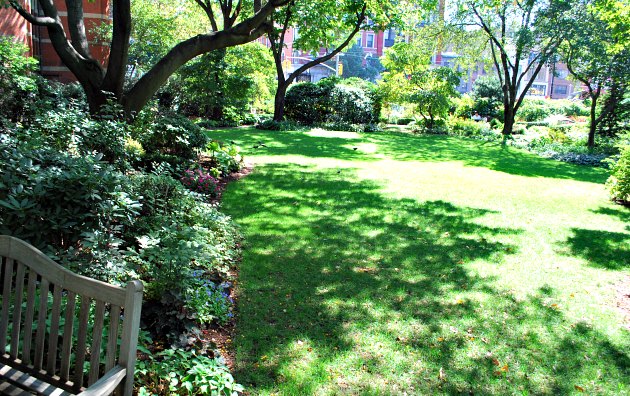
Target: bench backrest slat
[
  {"x": 30, "y": 314},
  {"x": 66, "y": 347},
  {"x": 81, "y": 344},
  {"x": 17, "y": 310},
  {"x": 42, "y": 314},
  {"x": 112, "y": 337},
  {"x": 47, "y": 333},
  {"x": 53, "y": 338},
  {"x": 6, "y": 301},
  {"x": 97, "y": 338}
]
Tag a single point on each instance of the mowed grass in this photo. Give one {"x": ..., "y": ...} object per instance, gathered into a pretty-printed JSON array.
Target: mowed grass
[{"x": 391, "y": 264}]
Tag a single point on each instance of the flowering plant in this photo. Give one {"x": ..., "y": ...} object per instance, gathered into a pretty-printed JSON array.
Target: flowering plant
[
  {"x": 201, "y": 182},
  {"x": 209, "y": 301}
]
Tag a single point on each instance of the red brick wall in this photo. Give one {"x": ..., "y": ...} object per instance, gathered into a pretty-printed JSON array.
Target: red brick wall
[
  {"x": 12, "y": 24},
  {"x": 37, "y": 38}
]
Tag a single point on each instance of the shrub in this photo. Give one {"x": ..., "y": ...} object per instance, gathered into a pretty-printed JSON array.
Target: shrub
[
  {"x": 271, "y": 125},
  {"x": 200, "y": 182},
  {"x": 619, "y": 181},
  {"x": 307, "y": 103},
  {"x": 224, "y": 158},
  {"x": 463, "y": 106},
  {"x": 18, "y": 81},
  {"x": 90, "y": 211},
  {"x": 351, "y": 105},
  {"x": 488, "y": 96},
  {"x": 468, "y": 128},
  {"x": 170, "y": 138},
  {"x": 404, "y": 121},
  {"x": 330, "y": 101},
  {"x": 184, "y": 372},
  {"x": 210, "y": 301}
]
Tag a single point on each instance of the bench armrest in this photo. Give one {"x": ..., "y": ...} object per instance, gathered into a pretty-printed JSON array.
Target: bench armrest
[{"x": 107, "y": 384}]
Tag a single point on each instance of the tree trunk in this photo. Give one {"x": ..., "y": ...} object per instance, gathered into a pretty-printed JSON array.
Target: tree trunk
[
  {"x": 508, "y": 120},
  {"x": 278, "y": 106},
  {"x": 593, "y": 123}
]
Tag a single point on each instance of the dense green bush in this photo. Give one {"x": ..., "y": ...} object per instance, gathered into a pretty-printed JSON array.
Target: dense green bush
[
  {"x": 271, "y": 125},
  {"x": 169, "y": 138},
  {"x": 619, "y": 181},
  {"x": 469, "y": 128},
  {"x": 487, "y": 95},
  {"x": 183, "y": 372},
  {"x": 307, "y": 103},
  {"x": 534, "y": 110},
  {"x": 91, "y": 202},
  {"x": 224, "y": 158},
  {"x": 18, "y": 82},
  {"x": 330, "y": 101}
]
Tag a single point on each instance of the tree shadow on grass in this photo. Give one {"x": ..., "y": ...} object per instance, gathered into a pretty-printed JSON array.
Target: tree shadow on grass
[
  {"x": 330, "y": 263},
  {"x": 603, "y": 249}
]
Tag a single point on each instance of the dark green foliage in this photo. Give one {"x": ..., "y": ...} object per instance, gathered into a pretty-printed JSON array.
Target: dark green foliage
[
  {"x": 59, "y": 202},
  {"x": 534, "y": 110},
  {"x": 470, "y": 128},
  {"x": 18, "y": 83},
  {"x": 307, "y": 103},
  {"x": 170, "y": 138},
  {"x": 224, "y": 158},
  {"x": 272, "y": 125},
  {"x": 184, "y": 372},
  {"x": 330, "y": 101},
  {"x": 615, "y": 110},
  {"x": 487, "y": 95},
  {"x": 404, "y": 121},
  {"x": 619, "y": 181}
]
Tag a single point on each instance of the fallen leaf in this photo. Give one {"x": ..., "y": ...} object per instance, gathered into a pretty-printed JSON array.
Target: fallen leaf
[
  {"x": 505, "y": 368},
  {"x": 495, "y": 361},
  {"x": 578, "y": 388},
  {"x": 440, "y": 339},
  {"x": 484, "y": 339}
]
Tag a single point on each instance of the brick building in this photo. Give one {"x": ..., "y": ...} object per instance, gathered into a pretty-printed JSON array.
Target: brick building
[{"x": 96, "y": 13}]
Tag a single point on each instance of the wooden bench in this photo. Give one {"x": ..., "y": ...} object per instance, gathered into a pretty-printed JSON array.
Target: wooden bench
[{"x": 62, "y": 333}]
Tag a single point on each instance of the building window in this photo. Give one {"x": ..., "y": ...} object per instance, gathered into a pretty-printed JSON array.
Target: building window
[
  {"x": 538, "y": 90},
  {"x": 370, "y": 41},
  {"x": 359, "y": 41},
  {"x": 560, "y": 89},
  {"x": 390, "y": 34}
]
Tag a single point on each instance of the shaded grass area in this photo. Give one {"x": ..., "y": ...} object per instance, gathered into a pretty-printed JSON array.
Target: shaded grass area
[{"x": 358, "y": 283}]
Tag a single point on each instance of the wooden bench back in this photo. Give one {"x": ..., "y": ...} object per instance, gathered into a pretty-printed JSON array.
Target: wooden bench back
[{"x": 66, "y": 328}]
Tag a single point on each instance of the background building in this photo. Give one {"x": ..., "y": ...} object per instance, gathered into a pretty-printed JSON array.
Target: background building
[{"x": 96, "y": 13}]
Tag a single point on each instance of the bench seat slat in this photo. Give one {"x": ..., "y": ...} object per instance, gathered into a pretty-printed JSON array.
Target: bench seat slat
[{"x": 28, "y": 382}]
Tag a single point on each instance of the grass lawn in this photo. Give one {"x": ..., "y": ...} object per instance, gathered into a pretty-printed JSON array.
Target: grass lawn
[{"x": 389, "y": 263}]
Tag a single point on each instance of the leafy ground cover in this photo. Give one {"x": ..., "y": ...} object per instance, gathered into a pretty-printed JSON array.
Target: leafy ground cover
[{"x": 389, "y": 263}]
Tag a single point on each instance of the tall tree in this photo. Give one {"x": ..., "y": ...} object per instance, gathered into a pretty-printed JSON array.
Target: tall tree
[
  {"x": 232, "y": 23},
  {"x": 522, "y": 36},
  {"x": 316, "y": 32},
  {"x": 594, "y": 59}
]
